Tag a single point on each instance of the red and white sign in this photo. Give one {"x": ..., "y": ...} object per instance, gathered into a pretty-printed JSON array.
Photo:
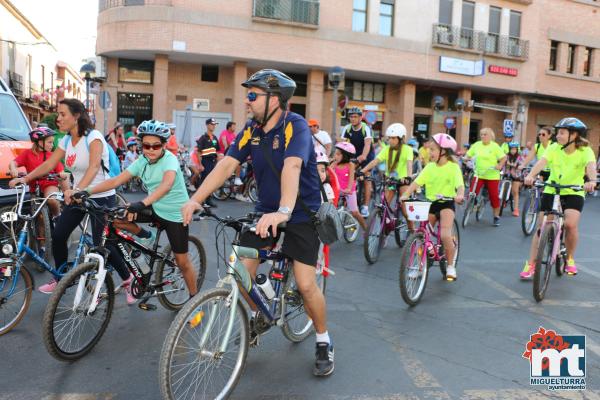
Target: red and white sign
[{"x": 497, "y": 69}]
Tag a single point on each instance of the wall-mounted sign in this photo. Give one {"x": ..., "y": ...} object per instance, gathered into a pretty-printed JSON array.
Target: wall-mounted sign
[
  {"x": 497, "y": 69},
  {"x": 450, "y": 122},
  {"x": 370, "y": 117},
  {"x": 201, "y": 105},
  {"x": 462, "y": 67}
]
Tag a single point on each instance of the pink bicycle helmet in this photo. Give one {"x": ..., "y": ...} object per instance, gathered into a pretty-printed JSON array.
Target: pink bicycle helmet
[
  {"x": 322, "y": 158},
  {"x": 445, "y": 141},
  {"x": 347, "y": 147},
  {"x": 40, "y": 133}
]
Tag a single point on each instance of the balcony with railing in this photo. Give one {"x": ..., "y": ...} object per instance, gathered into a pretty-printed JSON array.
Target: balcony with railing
[
  {"x": 469, "y": 40},
  {"x": 106, "y": 4},
  {"x": 296, "y": 12},
  {"x": 15, "y": 82}
]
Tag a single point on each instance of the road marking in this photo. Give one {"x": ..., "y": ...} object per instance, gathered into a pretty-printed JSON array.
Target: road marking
[{"x": 587, "y": 270}]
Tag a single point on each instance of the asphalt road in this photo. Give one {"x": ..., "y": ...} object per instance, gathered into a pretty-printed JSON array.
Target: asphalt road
[{"x": 465, "y": 339}]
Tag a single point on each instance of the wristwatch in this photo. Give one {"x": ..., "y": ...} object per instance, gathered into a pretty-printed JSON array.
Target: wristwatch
[{"x": 285, "y": 210}]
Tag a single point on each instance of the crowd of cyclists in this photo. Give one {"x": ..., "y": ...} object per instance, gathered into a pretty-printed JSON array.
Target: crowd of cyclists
[{"x": 297, "y": 166}]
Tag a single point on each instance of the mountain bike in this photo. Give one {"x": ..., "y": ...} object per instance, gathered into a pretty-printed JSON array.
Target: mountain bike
[
  {"x": 475, "y": 203},
  {"x": 384, "y": 219},
  {"x": 505, "y": 192},
  {"x": 423, "y": 247},
  {"x": 80, "y": 307},
  {"x": 247, "y": 189},
  {"x": 205, "y": 350},
  {"x": 531, "y": 208},
  {"x": 552, "y": 251},
  {"x": 349, "y": 223}
]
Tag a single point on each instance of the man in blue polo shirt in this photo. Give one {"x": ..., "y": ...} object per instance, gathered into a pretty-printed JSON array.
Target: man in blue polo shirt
[{"x": 285, "y": 138}]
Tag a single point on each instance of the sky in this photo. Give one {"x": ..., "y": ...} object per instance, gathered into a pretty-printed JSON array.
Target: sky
[{"x": 70, "y": 25}]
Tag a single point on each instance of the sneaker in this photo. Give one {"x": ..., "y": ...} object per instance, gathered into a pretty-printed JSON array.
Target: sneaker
[
  {"x": 148, "y": 242},
  {"x": 571, "y": 268},
  {"x": 450, "y": 273},
  {"x": 528, "y": 271},
  {"x": 496, "y": 221},
  {"x": 129, "y": 297},
  {"x": 515, "y": 213},
  {"x": 241, "y": 197},
  {"x": 364, "y": 211},
  {"x": 49, "y": 287},
  {"x": 324, "y": 363},
  {"x": 237, "y": 181},
  {"x": 386, "y": 241}
]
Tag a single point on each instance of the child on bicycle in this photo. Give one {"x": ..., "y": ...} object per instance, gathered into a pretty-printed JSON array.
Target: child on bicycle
[
  {"x": 159, "y": 171},
  {"x": 398, "y": 159},
  {"x": 514, "y": 160},
  {"x": 344, "y": 170},
  {"x": 570, "y": 160},
  {"x": 442, "y": 178},
  {"x": 131, "y": 154}
]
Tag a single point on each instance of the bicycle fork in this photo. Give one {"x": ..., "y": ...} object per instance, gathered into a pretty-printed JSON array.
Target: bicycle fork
[{"x": 99, "y": 276}]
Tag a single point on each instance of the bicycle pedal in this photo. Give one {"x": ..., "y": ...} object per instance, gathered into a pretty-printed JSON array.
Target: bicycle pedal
[{"x": 147, "y": 307}]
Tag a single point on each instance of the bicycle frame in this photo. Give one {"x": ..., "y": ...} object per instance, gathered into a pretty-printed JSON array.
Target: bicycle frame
[
  {"x": 387, "y": 211},
  {"x": 557, "y": 221}
]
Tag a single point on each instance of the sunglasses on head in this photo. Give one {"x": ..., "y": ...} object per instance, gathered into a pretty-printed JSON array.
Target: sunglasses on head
[
  {"x": 252, "y": 96},
  {"x": 155, "y": 146}
]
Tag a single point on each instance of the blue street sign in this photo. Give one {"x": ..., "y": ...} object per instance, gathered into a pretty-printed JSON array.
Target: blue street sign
[{"x": 509, "y": 126}]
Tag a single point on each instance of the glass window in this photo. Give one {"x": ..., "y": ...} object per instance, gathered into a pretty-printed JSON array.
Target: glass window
[
  {"x": 367, "y": 92},
  {"x": 136, "y": 71},
  {"x": 553, "y": 51},
  {"x": 423, "y": 98},
  {"x": 357, "y": 91},
  {"x": 386, "y": 18},
  {"x": 12, "y": 120},
  {"x": 359, "y": 16},
  {"x": 495, "y": 16},
  {"x": 210, "y": 73},
  {"x": 515, "y": 24},
  {"x": 378, "y": 93},
  {"x": 571, "y": 59},
  {"x": 445, "y": 16},
  {"x": 301, "y": 83},
  {"x": 466, "y": 25},
  {"x": 587, "y": 61}
]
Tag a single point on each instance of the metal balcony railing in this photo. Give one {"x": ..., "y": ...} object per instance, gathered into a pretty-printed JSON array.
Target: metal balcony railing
[
  {"x": 299, "y": 11},
  {"x": 15, "y": 83},
  {"x": 481, "y": 42},
  {"x": 106, "y": 4}
]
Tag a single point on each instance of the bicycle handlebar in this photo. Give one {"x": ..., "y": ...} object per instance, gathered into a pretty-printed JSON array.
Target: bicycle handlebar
[
  {"x": 554, "y": 185},
  {"x": 21, "y": 199}
]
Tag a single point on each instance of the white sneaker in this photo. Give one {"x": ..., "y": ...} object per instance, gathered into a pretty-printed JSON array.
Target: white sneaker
[
  {"x": 241, "y": 197},
  {"x": 364, "y": 211},
  {"x": 237, "y": 181},
  {"x": 450, "y": 273}
]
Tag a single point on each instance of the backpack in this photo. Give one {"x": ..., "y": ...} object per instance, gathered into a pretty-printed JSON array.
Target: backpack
[{"x": 114, "y": 164}]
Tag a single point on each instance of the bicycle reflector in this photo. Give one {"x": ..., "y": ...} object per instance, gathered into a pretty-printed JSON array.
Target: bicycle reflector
[{"x": 196, "y": 319}]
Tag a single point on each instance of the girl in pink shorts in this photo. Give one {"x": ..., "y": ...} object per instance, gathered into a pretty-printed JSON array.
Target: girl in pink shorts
[{"x": 344, "y": 170}]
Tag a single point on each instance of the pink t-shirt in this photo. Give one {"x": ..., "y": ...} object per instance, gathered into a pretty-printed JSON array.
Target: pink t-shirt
[
  {"x": 343, "y": 175},
  {"x": 225, "y": 140}
]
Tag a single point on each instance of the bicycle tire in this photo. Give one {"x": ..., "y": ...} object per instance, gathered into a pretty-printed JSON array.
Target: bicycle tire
[
  {"x": 69, "y": 283},
  {"x": 468, "y": 211},
  {"x": 120, "y": 200},
  {"x": 411, "y": 252},
  {"x": 503, "y": 200},
  {"x": 178, "y": 283},
  {"x": 543, "y": 258},
  {"x": 252, "y": 190},
  {"x": 373, "y": 240},
  {"x": 350, "y": 225},
  {"x": 529, "y": 210},
  {"x": 45, "y": 215},
  {"x": 291, "y": 297},
  {"x": 169, "y": 374},
  {"x": 561, "y": 260},
  {"x": 443, "y": 263},
  {"x": 401, "y": 228},
  {"x": 24, "y": 276},
  {"x": 481, "y": 207}
]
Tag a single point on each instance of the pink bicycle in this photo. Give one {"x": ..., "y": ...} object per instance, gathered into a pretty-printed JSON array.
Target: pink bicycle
[{"x": 422, "y": 248}]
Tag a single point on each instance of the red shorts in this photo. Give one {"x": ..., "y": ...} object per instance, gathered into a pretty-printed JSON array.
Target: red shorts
[
  {"x": 492, "y": 188},
  {"x": 44, "y": 183}
]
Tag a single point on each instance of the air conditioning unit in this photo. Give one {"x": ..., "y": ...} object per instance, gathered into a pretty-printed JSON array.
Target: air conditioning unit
[
  {"x": 100, "y": 64},
  {"x": 201, "y": 105}
]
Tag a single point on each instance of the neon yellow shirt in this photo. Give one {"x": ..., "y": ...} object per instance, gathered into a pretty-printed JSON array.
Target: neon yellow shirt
[
  {"x": 568, "y": 169},
  {"x": 540, "y": 150},
  {"x": 425, "y": 155},
  {"x": 406, "y": 155},
  {"x": 440, "y": 180},
  {"x": 487, "y": 156},
  {"x": 505, "y": 148}
]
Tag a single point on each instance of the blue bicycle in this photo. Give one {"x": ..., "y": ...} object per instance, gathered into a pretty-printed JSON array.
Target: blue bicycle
[{"x": 16, "y": 282}]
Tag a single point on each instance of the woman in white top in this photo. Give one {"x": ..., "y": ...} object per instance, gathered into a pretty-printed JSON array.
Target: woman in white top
[{"x": 86, "y": 155}]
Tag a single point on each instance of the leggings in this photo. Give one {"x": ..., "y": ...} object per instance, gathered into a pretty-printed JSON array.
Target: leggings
[{"x": 69, "y": 219}]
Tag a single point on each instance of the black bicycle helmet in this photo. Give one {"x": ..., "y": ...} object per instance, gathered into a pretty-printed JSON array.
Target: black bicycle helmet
[
  {"x": 273, "y": 82},
  {"x": 572, "y": 124}
]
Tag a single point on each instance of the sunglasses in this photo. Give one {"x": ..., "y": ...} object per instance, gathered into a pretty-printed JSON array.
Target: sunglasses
[
  {"x": 155, "y": 146},
  {"x": 542, "y": 134},
  {"x": 252, "y": 96}
]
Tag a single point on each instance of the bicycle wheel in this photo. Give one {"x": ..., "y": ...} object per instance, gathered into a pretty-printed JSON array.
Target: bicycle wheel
[
  {"x": 529, "y": 215},
  {"x": 480, "y": 206},
  {"x": 561, "y": 259},
  {"x": 14, "y": 306},
  {"x": 544, "y": 263},
  {"x": 374, "y": 238},
  {"x": 191, "y": 368},
  {"x": 468, "y": 211},
  {"x": 174, "y": 295},
  {"x": 224, "y": 192},
  {"x": 456, "y": 239},
  {"x": 69, "y": 332},
  {"x": 120, "y": 200},
  {"x": 401, "y": 228},
  {"x": 503, "y": 197},
  {"x": 350, "y": 225},
  {"x": 297, "y": 325},
  {"x": 413, "y": 269},
  {"x": 41, "y": 230}
]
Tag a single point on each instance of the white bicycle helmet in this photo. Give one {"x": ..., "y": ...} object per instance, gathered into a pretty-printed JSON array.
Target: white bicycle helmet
[
  {"x": 396, "y": 130},
  {"x": 154, "y": 128}
]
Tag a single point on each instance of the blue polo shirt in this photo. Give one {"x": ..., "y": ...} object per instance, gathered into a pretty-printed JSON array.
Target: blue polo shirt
[{"x": 291, "y": 137}]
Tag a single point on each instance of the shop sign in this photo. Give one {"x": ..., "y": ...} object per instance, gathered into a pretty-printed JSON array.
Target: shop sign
[
  {"x": 497, "y": 69},
  {"x": 462, "y": 67}
]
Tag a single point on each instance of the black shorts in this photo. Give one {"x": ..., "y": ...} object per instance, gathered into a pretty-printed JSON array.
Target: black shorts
[
  {"x": 437, "y": 206},
  {"x": 177, "y": 233},
  {"x": 300, "y": 242},
  {"x": 569, "y": 201}
]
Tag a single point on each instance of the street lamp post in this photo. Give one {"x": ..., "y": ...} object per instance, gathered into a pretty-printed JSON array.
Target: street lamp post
[
  {"x": 88, "y": 71},
  {"x": 336, "y": 77}
]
